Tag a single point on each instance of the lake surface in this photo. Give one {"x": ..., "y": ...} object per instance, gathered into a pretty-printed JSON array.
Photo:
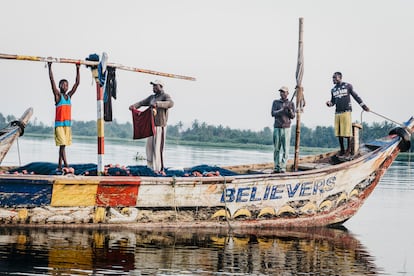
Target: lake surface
[{"x": 378, "y": 240}]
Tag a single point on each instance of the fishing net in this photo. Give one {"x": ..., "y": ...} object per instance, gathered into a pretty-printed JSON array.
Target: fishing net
[{"x": 90, "y": 169}]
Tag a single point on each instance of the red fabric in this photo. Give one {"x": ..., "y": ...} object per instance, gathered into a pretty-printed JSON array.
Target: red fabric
[{"x": 143, "y": 123}]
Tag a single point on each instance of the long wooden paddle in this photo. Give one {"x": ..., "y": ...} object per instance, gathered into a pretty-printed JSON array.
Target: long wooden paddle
[{"x": 93, "y": 63}]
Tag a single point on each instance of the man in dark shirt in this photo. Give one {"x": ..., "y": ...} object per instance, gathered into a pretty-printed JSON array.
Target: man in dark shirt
[
  {"x": 341, "y": 98},
  {"x": 159, "y": 102},
  {"x": 283, "y": 111}
]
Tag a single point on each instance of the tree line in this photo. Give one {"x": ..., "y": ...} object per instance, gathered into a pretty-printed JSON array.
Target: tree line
[{"x": 200, "y": 132}]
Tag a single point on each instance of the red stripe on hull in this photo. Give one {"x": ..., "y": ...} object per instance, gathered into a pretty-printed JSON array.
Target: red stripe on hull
[{"x": 118, "y": 192}]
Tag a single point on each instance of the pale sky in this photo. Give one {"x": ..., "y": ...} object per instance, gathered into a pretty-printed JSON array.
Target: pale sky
[{"x": 241, "y": 53}]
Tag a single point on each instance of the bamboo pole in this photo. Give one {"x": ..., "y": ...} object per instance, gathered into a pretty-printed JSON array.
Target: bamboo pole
[
  {"x": 93, "y": 63},
  {"x": 299, "y": 93}
]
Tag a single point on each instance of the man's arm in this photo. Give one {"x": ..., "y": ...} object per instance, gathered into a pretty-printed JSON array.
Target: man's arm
[
  {"x": 56, "y": 92},
  {"x": 75, "y": 86},
  {"x": 290, "y": 109},
  {"x": 137, "y": 105},
  {"x": 331, "y": 102},
  {"x": 358, "y": 100},
  {"x": 165, "y": 103},
  {"x": 277, "y": 108}
]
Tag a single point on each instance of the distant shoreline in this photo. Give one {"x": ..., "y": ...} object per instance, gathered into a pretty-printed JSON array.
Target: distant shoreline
[{"x": 186, "y": 143}]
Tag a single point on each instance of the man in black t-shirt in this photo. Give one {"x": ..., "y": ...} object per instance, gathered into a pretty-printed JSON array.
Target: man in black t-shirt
[{"x": 341, "y": 98}]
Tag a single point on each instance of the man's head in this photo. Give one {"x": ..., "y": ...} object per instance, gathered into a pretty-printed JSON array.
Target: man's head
[
  {"x": 337, "y": 77},
  {"x": 157, "y": 86},
  {"x": 284, "y": 92},
  {"x": 63, "y": 85}
]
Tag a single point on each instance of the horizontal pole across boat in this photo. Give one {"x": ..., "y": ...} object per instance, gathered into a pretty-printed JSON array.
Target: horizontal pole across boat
[{"x": 94, "y": 63}]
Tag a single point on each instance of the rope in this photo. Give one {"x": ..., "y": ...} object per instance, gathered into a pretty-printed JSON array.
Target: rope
[
  {"x": 362, "y": 130},
  {"x": 18, "y": 151},
  {"x": 388, "y": 119},
  {"x": 225, "y": 203},
  {"x": 382, "y": 116},
  {"x": 175, "y": 202}
]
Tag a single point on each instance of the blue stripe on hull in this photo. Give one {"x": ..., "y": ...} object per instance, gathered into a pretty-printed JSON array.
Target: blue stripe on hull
[{"x": 25, "y": 192}]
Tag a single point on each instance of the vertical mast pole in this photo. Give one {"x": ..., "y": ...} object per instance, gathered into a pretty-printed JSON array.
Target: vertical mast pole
[
  {"x": 300, "y": 101},
  {"x": 100, "y": 87},
  {"x": 99, "y": 73},
  {"x": 100, "y": 127}
]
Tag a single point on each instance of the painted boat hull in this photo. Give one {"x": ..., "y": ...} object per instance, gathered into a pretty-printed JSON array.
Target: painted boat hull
[
  {"x": 10, "y": 133},
  {"x": 328, "y": 195}
]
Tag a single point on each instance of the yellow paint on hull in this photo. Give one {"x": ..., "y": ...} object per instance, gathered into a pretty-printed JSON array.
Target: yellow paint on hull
[
  {"x": 353, "y": 193},
  {"x": 23, "y": 214},
  {"x": 267, "y": 211},
  {"x": 242, "y": 212},
  {"x": 341, "y": 199},
  {"x": 287, "y": 209},
  {"x": 221, "y": 213},
  {"x": 309, "y": 208},
  {"x": 99, "y": 215},
  {"x": 73, "y": 193},
  {"x": 325, "y": 206}
]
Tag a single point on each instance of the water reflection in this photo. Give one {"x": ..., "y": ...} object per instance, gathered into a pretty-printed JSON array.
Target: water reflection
[{"x": 320, "y": 251}]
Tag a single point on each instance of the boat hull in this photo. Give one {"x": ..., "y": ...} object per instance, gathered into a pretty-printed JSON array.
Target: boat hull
[{"x": 326, "y": 196}]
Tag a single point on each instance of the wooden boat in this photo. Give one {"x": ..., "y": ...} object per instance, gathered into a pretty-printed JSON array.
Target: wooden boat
[
  {"x": 11, "y": 132},
  {"x": 325, "y": 190}
]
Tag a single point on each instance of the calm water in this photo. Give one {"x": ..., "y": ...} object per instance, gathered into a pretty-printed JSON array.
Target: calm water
[{"x": 378, "y": 240}]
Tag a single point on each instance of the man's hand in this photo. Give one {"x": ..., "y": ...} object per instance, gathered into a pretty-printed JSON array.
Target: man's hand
[{"x": 366, "y": 108}]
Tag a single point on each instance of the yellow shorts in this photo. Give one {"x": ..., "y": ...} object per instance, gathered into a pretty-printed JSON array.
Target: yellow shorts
[
  {"x": 63, "y": 136},
  {"x": 343, "y": 125}
]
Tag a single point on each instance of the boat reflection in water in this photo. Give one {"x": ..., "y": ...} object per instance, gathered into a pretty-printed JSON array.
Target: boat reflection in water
[{"x": 57, "y": 251}]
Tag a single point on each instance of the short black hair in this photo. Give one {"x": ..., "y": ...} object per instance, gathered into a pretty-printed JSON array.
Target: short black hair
[
  {"x": 338, "y": 74},
  {"x": 62, "y": 81}
]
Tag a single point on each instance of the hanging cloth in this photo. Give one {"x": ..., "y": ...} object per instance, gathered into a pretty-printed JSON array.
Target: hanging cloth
[
  {"x": 143, "y": 123},
  {"x": 109, "y": 93}
]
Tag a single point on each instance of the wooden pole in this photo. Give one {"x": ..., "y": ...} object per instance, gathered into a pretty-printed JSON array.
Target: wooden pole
[
  {"x": 93, "y": 63},
  {"x": 300, "y": 102},
  {"x": 100, "y": 73},
  {"x": 100, "y": 126},
  {"x": 297, "y": 140}
]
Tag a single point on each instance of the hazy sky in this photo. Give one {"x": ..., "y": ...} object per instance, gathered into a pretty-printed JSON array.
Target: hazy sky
[{"x": 241, "y": 52}]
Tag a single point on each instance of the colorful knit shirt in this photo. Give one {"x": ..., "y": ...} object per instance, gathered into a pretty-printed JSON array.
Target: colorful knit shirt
[{"x": 63, "y": 115}]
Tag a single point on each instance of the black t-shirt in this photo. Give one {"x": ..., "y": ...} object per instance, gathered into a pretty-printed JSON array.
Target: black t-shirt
[{"x": 341, "y": 97}]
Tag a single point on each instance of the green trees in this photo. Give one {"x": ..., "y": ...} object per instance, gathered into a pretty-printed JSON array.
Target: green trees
[{"x": 320, "y": 136}]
